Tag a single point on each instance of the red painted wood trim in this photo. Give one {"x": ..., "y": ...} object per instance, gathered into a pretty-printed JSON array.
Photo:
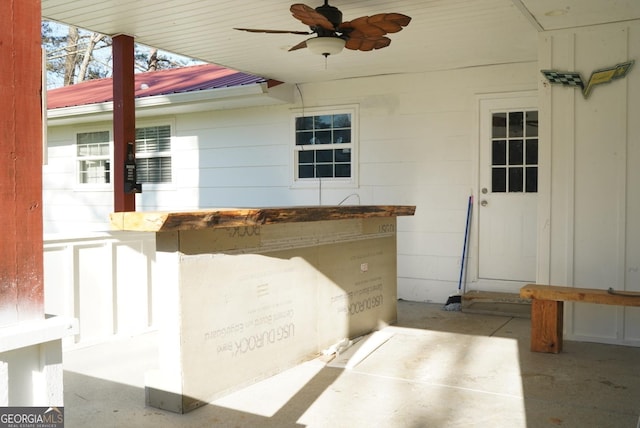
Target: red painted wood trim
[
  {"x": 21, "y": 264},
  {"x": 124, "y": 117}
]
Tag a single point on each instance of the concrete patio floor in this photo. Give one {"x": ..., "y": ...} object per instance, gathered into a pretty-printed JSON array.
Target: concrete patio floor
[{"x": 432, "y": 369}]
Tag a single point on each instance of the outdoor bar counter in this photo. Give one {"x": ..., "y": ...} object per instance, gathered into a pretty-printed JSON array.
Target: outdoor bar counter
[{"x": 243, "y": 293}]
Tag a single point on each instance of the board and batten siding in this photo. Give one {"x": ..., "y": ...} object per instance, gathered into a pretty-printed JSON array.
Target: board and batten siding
[{"x": 593, "y": 227}]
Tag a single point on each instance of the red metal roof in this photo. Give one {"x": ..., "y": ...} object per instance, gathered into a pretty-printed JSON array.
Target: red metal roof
[{"x": 163, "y": 82}]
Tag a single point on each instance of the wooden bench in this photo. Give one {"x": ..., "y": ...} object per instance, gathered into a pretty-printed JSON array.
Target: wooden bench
[{"x": 547, "y": 305}]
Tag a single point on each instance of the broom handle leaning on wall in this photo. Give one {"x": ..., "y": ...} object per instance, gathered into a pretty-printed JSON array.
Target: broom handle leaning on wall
[{"x": 464, "y": 246}]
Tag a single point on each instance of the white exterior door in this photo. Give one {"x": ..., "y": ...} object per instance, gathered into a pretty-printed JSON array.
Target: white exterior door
[{"x": 507, "y": 196}]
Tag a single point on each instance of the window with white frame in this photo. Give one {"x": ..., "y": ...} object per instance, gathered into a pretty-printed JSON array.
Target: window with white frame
[
  {"x": 324, "y": 146},
  {"x": 94, "y": 162},
  {"x": 153, "y": 156}
]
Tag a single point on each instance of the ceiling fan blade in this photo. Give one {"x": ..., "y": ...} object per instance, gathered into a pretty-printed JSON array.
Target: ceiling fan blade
[
  {"x": 310, "y": 17},
  {"x": 391, "y": 22},
  {"x": 360, "y": 42},
  {"x": 300, "y": 45},
  {"x": 377, "y": 25},
  {"x": 254, "y": 30},
  {"x": 362, "y": 25}
]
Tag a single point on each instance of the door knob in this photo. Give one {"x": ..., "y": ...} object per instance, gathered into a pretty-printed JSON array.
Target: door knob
[{"x": 483, "y": 202}]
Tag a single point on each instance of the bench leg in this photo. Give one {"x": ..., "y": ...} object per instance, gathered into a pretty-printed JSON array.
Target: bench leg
[{"x": 546, "y": 326}]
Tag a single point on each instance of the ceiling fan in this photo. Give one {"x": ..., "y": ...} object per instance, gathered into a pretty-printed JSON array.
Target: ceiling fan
[{"x": 332, "y": 35}]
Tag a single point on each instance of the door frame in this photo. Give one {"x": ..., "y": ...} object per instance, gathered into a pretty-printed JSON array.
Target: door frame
[{"x": 542, "y": 232}]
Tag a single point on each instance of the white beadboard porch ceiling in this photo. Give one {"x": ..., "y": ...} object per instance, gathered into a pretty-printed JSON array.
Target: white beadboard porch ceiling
[{"x": 443, "y": 34}]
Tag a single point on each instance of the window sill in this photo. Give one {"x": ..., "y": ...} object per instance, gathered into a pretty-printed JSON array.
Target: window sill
[
  {"x": 93, "y": 188},
  {"x": 329, "y": 183}
]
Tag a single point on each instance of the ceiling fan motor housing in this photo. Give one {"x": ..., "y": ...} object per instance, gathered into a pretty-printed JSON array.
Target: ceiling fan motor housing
[{"x": 333, "y": 14}]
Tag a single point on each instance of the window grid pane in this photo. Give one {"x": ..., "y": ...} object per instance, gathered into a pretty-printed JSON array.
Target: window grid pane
[
  {"x": 93, "y": 151},
  {"x": 92, "y": 137},
  {"x": 94, "y": 172},
  {"x": 150, "y": 142},
  {"x": 514, "y": 144},
  {"x": 153, "y": 170},
  {"x": 153, "y": 139},
  {"x": 318, "y": 134}
]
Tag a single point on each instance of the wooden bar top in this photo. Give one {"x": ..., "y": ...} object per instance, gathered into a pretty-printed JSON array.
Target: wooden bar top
[{"x": 166, "y": 221}]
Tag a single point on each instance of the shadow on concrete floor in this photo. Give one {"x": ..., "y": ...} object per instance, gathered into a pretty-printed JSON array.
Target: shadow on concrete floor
[
  {"x": 434, "y": 369},
  {"x": 112, "y": 404}
]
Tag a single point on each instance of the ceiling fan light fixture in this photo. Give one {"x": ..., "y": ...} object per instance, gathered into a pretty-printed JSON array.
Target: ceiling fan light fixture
[{"x": 326, "y": 45}]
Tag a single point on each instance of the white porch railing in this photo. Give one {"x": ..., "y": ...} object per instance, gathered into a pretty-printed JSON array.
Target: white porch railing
[{"x": 103, "y": 280}]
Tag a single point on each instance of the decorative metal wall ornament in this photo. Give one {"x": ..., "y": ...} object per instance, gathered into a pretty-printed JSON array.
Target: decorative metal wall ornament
[{"x": 573, "y": 78}]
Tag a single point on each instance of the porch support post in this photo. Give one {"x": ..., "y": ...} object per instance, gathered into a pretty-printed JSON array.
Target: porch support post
[
  {"x": 21, "y": 257},
  {"x": 30, "y": 344},
  {"x": 124, "y": 118}
]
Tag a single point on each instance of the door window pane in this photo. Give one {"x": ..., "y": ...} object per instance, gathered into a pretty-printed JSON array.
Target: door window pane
[
  {"x": 499, "y": 180},
  {"x": 499, "y": 152},
  {"x": 514, "y": 144},
  {"x": 516, "y": 155},
  {"x": 515, "y": 180},
  {"x": 532, "y": 152},
  {"x": 499, "y": 125},
  {"x": 516, "y": 125},
  {"x": 532, "y": 123},
  {"x": 531, "y": 180}
]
